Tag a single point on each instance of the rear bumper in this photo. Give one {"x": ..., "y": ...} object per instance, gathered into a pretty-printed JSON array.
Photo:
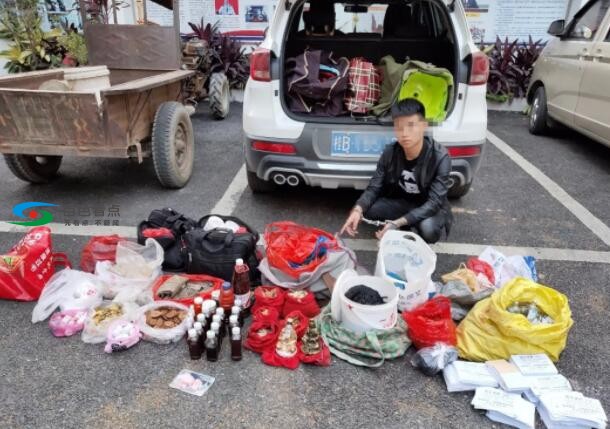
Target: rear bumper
[{"x": 333, "y": 175}]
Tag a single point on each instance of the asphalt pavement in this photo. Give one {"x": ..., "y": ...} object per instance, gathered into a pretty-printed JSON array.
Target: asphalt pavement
[{"x": 49, "y": 382}]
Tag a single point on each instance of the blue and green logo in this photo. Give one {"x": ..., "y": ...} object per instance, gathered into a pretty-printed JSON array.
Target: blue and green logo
[{"x": 38, "y": 217}]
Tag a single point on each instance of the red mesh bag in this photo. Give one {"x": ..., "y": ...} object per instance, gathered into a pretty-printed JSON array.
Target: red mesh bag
[
  {"x": 266, "y": 315},
  {"x": 99, "y": 248},
  {"x": 269, "y": 296},
  {"x": 303, "y": 301},
  {"x": 296, "y": 249},
  {"x": 270, "y": 357},
  {"x": 320, "y": 359},
  {"x": 479, "y": 266},
  {"x": 258, "y": 343},
  {"x": 431, "y": 323},
  {"x": 301, "y": 326},
  {"x": 157, "y": 233}
]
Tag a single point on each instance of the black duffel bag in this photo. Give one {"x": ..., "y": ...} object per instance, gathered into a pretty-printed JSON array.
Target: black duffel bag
[
  {"x": 178, "y": 224},
  {"x": 214, "y": 252}
]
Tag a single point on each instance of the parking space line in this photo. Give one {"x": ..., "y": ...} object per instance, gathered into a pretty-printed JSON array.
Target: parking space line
[
  {"x": 363, "y": 245},
  {"x": 231, "y": 197},
  {"x": 599, "y": 228}
]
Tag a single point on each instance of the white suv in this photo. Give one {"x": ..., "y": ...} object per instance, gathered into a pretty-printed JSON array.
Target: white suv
[{"x": 286, "y": 148}]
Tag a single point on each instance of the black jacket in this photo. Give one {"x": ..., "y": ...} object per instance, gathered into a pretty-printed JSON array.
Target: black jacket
[{"x": 431, "y": 173}]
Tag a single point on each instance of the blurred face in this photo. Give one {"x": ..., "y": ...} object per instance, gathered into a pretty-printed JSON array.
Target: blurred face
[{"x": 409, "y": 131}]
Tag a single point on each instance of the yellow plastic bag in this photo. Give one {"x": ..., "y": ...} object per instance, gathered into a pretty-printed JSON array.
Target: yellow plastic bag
[{"x": 490, "y": 332}]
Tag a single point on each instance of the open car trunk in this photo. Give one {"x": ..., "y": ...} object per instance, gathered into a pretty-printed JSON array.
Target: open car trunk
[{"x": 417, "y": 30}]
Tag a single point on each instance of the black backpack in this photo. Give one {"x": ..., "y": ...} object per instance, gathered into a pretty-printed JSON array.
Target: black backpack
[
  {"x": 176, "y": 222},
  {"x": 214, "y": 252}
]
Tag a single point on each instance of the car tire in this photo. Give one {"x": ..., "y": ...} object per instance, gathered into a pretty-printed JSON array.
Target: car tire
[
  {"x": 259, "y": 186},
  {"x": 456, "y": 192},
  {"x": 539, "y": 117},
  {"x": 33, "y": 168},
  {"x": 173, "y": 145}
]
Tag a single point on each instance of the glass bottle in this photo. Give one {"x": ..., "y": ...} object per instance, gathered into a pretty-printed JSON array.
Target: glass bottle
[
  {"x": 198, "y": 327},
  {"x": 236, "y": 310},
  {"x": 233, "y": 322},
  {"x": 216, "y": 330},
  {"x": 197, "y": 304},
  {"x": 193, "y": 344},
  {"x": 236, "y": 343},
  {"x": 211, "y": 346}
]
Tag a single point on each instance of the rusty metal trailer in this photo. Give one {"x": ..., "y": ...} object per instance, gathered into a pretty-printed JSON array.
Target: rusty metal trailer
[{"x": 142, "y": 114}]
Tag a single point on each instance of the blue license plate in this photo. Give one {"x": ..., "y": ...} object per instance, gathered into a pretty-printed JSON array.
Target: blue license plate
[{"x": 359, "y": 144}]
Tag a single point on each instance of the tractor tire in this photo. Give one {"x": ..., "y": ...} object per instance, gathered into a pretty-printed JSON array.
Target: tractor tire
[
  {"x": 173, "y": 145},
  {"x": 219, "y": 95},
  {"x": 33, "y": 168}
]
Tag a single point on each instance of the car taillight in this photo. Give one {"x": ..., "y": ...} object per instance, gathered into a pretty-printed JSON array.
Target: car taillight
[
  {"x": 260, "y": 65},
  {"x": 464, "y": 151},
  {"x": 284, "y": 148},
  {"x": 480, "y": 69}
]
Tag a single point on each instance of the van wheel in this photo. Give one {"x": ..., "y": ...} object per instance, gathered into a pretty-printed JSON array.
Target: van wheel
[
  {"x": 539, "y": 118},
  {"x": 33, "y": 168},
  {"x": 259, "y": 186},
  {"x": 456, "y": 192}
]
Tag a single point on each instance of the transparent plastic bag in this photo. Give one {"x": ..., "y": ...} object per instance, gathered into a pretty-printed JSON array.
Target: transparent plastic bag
[
  {"x": 159, "y": 335},
  {"x": 69, "y": 290},
  {"x": 96, "y": 329},
  {"x": 432, "y": 360},
  {"x": 136, "y": 268}
]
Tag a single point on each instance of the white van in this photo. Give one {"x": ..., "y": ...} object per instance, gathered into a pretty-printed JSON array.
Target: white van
[{"x": 285, "y": 148}]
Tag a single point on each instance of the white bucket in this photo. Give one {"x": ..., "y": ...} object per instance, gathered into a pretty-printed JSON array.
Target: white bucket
[
  {"x": 93, "y": 78},
  {"x": 407, "y": 256},
  {"x": 359, "y": 317}
]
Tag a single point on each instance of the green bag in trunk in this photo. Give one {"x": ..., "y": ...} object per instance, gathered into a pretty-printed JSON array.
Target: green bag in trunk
[{"x": 370, "y": 348}]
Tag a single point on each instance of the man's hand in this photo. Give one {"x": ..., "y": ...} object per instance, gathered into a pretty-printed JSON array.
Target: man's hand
[
  {"x": 387, "y": 227},
  {"x": 351, "y": 224}
]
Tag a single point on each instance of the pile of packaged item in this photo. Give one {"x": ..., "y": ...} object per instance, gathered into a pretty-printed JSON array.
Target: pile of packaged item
[
  {"x": 200, "y": 280},
  {"x": 319, "y": 84}
]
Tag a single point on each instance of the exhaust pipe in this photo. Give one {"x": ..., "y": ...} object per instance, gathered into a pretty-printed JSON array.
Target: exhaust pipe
[
  {"x": 279, "y": 179},
  {"x": 292, "y": 180},
  {"x": 457, "y": 179}
]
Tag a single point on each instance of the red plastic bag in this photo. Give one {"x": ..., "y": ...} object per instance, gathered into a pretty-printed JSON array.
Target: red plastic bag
[
  {"x": 296, "y": 249},
  {"x": 269, "y": 296},
  {"x": 266, "y": 315},
  {"x": 301, "y": 300},
  {"x": 479, "y": 266},
  {"x": 26, "y": 268},
  {"x": 320, "y": 359},
  {"x": 216, "y": 284},
  {"x": 300, "y": 327},
  {"x": 99, "y": 248},
  {"x": 431, "y": 323},
  {"x": 256, "y": 341},
  {"x": 270, "y": 357}
]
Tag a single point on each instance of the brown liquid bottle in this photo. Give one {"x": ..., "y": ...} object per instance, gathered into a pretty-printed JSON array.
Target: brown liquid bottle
[
  {"x": 193, "y": 344},
  {"x": 241, "y": 284},
  {"x": 211, "y": 346},
  {"x": 236, "y": 343}
]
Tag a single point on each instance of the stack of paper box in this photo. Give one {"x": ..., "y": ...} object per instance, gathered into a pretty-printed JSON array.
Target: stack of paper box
[
  {"x": 462, "y": 376},
  {"x": 562, "y": 410},
  {"x": 505, "y": 407}
]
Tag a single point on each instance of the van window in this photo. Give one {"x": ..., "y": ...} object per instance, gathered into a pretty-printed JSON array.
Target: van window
[{"x": 585, "y": 27}]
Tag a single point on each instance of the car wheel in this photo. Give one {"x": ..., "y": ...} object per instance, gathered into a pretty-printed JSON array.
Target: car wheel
[
  {"x": 259, "y": 186},
  {"x": 538, "y": 121}
]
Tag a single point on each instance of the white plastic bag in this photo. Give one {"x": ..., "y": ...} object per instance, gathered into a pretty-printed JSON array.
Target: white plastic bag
[
  {"x": 95, "y": 333},
  {"x": 164, "y": 336},
  {"x": 69, "y": 290},
  {"x": 506, "y": 268},
  {"x": 407, "y": 261},
  {"x": 135, "y": 269}
]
